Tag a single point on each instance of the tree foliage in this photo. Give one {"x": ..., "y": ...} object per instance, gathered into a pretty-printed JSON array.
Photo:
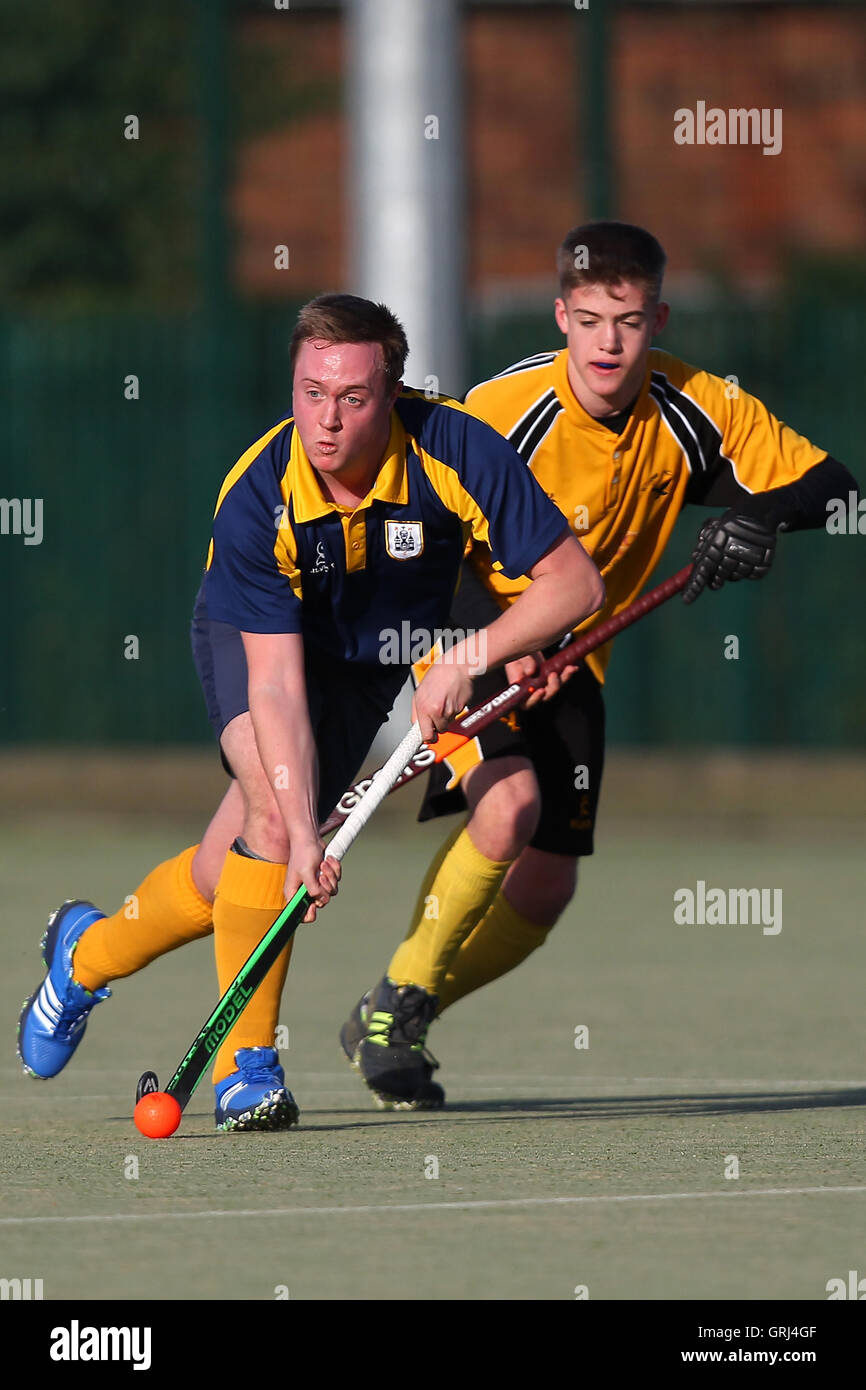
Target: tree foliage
[{"x": 90, "y": 218}]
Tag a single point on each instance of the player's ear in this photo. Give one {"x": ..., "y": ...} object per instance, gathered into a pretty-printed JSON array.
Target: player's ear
[
  {"x": 560, "y": 313},
  {"x": 663, "y": 313}
]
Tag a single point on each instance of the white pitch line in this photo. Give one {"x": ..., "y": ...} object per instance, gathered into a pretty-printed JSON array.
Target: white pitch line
[{"x": 471, "y": 1205}]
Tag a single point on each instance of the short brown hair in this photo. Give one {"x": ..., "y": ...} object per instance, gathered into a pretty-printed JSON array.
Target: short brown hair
[
  {"x": 610, "y": 253},
  {"x": 345, "y": 318}
]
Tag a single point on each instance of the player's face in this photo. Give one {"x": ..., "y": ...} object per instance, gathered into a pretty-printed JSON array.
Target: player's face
[
  {"x": 342, "y": 407},
  {"x": 609, "y": 329}
]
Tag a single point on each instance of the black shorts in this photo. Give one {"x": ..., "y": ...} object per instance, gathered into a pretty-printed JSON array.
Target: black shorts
[
  {"x": 348, "y": 702},
  {"x": 564, "y": 741}
]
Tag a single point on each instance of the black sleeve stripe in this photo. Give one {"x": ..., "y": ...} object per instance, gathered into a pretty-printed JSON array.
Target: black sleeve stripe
[
  {"x": 541, "y": 429},
  {"x": 527, "y": 364},
  {"x": 524, "y": 427},
  {"x": 678, "y": 427},
  {"x": 706, "y": 431}
]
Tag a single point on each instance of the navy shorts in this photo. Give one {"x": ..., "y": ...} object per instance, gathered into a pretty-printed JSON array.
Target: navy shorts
[{"x": 348, "y": 702}]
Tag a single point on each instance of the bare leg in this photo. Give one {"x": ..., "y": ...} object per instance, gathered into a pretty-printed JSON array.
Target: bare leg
[
  {"x": 262, "y": 824},
  {"x": 504, "y": 804},
  {"x": 223, "y": 830},
  {"x": 540, "y": 885}
]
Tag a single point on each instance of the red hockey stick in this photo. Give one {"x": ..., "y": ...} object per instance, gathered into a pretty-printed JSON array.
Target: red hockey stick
[{"x": 480, "y": 716}]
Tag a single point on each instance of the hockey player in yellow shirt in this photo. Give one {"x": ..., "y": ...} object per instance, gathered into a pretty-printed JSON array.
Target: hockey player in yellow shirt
[{"x": 620, "y": 435}]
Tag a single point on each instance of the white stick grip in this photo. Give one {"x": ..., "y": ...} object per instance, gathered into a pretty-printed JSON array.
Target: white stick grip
[{"x": 376, "y": 792}]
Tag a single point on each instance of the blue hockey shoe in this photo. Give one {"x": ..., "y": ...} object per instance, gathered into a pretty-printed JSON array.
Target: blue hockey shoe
[
  {"x": 53, "y": 1020},
  {"x": 255, "y": 1096}
]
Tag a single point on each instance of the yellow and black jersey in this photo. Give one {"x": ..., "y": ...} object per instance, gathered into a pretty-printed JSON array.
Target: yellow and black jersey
[
  {"x": 689, "y": 437},
  {"x": 283, "y": 558}
]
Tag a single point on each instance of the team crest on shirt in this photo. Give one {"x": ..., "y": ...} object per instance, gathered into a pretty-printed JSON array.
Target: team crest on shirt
[
  {"x": 404, "y": 539},
  {"x": 322, "y": 565}
]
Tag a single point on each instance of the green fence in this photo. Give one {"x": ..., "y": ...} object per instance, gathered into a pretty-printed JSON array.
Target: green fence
[{"x": 128, "y": 487}]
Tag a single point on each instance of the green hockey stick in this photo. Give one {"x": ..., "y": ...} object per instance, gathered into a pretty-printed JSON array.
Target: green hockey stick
[{"x": 242, "y": 988}]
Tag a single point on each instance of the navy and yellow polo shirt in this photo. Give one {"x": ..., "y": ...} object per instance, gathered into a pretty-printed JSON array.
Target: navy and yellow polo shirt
[{"x": 283, "y": 558}]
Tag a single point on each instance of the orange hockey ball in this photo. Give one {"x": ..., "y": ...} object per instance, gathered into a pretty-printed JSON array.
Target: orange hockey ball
[{"x": 157, "y": 1115}]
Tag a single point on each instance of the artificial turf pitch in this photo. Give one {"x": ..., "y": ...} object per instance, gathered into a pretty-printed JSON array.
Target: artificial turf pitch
[{"x": 559, "y": 1168}]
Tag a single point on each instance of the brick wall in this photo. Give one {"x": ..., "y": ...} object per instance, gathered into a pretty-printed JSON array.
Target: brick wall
[
  {"x": 732, "y": 205},
  {"x": 726, "y": 207}
]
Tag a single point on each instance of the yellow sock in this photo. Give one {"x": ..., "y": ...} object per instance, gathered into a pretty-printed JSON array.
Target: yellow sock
[
  {"x": 249, "y": 896},
  {"x": 459, "y": 889},
  {"x": 424, "y": 892},
  {"x": 164, "y": 913},
  {"x": 500, "y": 941}
]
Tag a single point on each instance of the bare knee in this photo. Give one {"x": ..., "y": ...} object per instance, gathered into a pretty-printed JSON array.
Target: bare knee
[
  {"x": 540, "y": 885},
  {"x": 505, "y": 803}
]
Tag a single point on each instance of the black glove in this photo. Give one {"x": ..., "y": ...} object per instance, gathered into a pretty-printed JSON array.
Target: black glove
[{"x": 730, "y": 547}]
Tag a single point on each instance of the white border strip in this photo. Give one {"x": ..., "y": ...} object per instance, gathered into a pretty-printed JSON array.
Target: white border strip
[{"x": 477, "y": 1205}]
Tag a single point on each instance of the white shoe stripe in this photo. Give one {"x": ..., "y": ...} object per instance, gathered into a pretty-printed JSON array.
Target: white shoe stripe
[
  {"x": 47, "y": 1016},
  {"x": 50, "y": 993},
  {"x": 230, "y": 1093}
]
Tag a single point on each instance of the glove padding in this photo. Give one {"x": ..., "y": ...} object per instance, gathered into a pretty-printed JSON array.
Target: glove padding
[{"x": 729, "y": 547}]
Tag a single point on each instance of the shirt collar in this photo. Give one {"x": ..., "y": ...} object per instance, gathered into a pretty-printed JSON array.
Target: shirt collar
[
  {"x": 573, "y": 408},
  {"x": 391, "y": 485}
]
